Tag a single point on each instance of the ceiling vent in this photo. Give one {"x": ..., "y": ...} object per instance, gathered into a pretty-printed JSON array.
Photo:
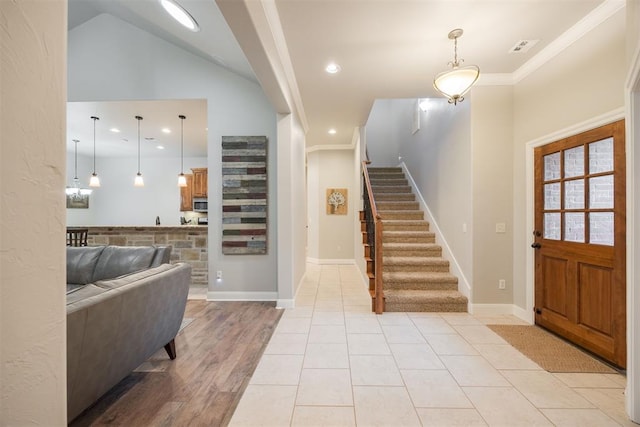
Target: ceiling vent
[{"x": 523, "y": 45}]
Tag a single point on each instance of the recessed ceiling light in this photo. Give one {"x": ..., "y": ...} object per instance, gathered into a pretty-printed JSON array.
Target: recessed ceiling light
[
  {"x": 333, "y": 68},
  {"x": 115, "y": 130},
  {"x": 166, "y": 130},
  {"x": 332, "y": 131},
  {"x": 160, "y": 147},
  {"x": 180, "y": 14}
]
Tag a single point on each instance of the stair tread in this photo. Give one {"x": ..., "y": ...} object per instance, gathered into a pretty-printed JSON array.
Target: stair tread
[
  {"x": 409, "y": 233},
  {"x": 414, "y": 260},
  {"x": 405, "y": 221},
  {"x": 394, "y": 295},
  {"x": 411, "y": 246},
  {"x": 420, "y": 276}
]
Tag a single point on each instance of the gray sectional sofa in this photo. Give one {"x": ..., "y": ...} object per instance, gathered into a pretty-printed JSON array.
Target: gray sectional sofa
[{"x": 123, "y": 304}]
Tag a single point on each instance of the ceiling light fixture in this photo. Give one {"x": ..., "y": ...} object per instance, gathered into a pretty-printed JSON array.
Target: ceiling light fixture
[
  {"x": 75, "y": 190},
  {"x": 333, "y": 68},
  {"x": 455, "y": 83},
  {"x": 166, "y": 130},
  {"x": 182, "y": 180},
  {"x": 180, "y": 14},
  {"x": 94, "y": 181},
  {"x": 115, "y": 130},
  {"x": 138, "y": 182},
  {"x": 332, "y": 132}
]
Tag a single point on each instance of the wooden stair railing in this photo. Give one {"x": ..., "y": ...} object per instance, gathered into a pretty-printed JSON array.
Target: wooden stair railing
[{"x": 371, "y": 227}]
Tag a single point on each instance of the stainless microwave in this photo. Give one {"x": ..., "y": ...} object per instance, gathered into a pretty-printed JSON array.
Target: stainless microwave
[{"x": 200, "y": 205}]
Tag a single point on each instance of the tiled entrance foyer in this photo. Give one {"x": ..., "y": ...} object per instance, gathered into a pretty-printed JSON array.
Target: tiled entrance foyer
[{"x": 331, "y": 362}]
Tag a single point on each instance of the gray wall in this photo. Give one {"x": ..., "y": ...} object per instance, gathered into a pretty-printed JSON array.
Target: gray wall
[{"x": 112, "y": 60}]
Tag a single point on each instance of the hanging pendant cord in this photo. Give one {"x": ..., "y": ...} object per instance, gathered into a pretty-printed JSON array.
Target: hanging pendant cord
[
  {"x": 94, "y": 143},
  {"x": 182, "y": 143},
  {"x": 75, "y": 167},
  {"x": 138, "y": 118}
]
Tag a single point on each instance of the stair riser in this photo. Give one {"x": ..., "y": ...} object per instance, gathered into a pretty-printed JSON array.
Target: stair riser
[
  {"x": 389, "y": 182},
  {"x": 439, "y": 268},
  {"x": 425, "y": 308},
  {"x": 409, "y": 215},
  {"x": 424, "y": 286},
  {"x": 409, "y": 239},
  {"x": 391, "y": 189},
  {"x": 393, "y": 197},
  {"x": 406, "y": 227},
  {"x": 395, "y": 206},
  {"x": 416, "y": 252}
]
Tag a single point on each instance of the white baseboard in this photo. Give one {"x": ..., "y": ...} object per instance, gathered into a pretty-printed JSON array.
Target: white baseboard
[
  {"x": 286, "y": 303},
  {"x": 500, "y": 310},
  {"x": 241, "y": 296},
  {"x": 342, "y": 261}
]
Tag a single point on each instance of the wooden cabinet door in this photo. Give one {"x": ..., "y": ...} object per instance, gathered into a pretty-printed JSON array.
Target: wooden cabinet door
[
  {"x": 580, "y": 240},
  {"x": 186, "y": 195},
  {"x": 199, "y": 182}
]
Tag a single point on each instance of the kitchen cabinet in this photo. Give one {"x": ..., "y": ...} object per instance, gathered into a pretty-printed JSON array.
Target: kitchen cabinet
[
  {"x": 199, "y": 182},
  {"x": 186, "y": 195}
]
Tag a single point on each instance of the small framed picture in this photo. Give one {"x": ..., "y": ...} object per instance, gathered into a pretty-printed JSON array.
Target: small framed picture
[
  {"x": 337, "y": 201},
  {"x": 77, "y": 201}
]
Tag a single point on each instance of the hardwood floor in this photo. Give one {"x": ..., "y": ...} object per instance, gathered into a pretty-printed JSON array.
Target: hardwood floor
[{"x": 216, "y": 356}]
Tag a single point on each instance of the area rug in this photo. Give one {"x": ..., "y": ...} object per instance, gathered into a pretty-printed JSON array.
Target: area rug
[{"x": 550, "y": 352}]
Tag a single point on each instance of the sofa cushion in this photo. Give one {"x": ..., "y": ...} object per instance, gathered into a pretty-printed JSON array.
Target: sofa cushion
[
  {"x": 162, "y": 256},
  {"x": 81, "y": 263},
  {"x": 130, "y": 278},
  {"x": 120, "y": 260},
  {"x": 83, "y": 293}
]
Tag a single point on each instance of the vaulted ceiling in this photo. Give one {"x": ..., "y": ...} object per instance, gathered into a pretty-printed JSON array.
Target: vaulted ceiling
[{"x": 385, "y": 48}]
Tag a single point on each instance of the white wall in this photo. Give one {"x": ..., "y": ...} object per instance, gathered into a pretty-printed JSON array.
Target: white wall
[
  {"x": 382, "y": 145},
  {"x": 118, "y": 202},
  {"x": 492, "y": 170},
  {"x": 438, "y": 157},
  {"x": 112, "y": 60},
  {"x": 33, "y": 362},
  {"x": 292, "y": 215},
  {"x": 331, "y": 236}
]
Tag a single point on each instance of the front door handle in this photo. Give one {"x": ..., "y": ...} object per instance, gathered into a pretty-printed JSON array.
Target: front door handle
[{"x": 536, "y": 245}]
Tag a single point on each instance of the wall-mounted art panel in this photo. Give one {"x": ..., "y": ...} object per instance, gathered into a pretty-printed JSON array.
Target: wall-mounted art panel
[{"x": 244, "y": 195}]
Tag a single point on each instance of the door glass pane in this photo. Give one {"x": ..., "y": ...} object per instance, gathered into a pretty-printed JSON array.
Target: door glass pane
[
  {"x": 601, "y": 192},
  {"x": 601, "y": 156},
  {"x": 574, "y": 194},
  {"x": 574, "y": 162},
  {"x": 552, "y": 166},
  {"x": 552, "y": 226},
  {"x": 552, "y": 196},
  {"x": 601, "y": 228},
  {"x": 574, "y": 227}
]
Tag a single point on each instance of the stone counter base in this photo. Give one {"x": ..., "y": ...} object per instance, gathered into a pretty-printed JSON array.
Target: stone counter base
[{"x": 189, "y": 244}]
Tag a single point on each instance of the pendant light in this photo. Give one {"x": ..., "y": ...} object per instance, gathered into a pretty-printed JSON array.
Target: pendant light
[
  {"x": 75, "y": 190},
  {"x": 94, "y": 181},
  {"x": 456, "y": 82},
  {"x": 182, "y": 180},
  {"x": 139, "y": 182}
]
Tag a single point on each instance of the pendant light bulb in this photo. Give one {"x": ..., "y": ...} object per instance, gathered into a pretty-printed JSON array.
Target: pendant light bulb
[
  {"x": 138, "y": 182},
  {"x": 94, "y": 181},
  {"x": 182, "y": 180}
]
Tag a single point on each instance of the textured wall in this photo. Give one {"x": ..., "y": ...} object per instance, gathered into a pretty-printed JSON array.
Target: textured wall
[{"x": 32, "y": 215}]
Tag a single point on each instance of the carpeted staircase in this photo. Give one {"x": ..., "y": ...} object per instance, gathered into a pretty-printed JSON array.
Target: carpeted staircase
[{"x": 415, "y": 276}]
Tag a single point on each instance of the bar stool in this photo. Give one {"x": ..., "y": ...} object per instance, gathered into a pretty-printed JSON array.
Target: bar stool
[{"x": 77, "y": 236}]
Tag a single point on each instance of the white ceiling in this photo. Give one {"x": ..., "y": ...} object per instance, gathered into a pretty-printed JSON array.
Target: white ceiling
[
  {"x": 386, "y": 48},
  {"x": 156, "y": 115}
]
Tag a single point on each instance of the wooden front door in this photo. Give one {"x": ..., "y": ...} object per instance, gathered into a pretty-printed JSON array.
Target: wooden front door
[{"x": 579, "y": 240}]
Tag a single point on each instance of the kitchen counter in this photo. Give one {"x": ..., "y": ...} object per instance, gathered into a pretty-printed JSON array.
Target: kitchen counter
[{"x": 189, "y": 243}]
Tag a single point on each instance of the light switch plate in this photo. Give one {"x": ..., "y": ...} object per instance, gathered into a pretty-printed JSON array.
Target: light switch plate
[{"x": 501, "y": 227}]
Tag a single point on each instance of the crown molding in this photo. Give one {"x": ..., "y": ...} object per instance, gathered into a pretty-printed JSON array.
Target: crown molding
[{"x": 596, "y": 17}]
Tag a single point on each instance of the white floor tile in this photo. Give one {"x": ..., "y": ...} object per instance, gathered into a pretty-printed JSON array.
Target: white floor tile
[
  {"x": 415, "y": 356},
  {"x": 323, "y": 416},
  {"x": 374, "y": 370},
  {"x": 579, "y": 418},
  {"x": 293, "y": 326},
  {"x": 434, "y": 389},
  {"x": 335, "y": 334},
  {"x": 367, "y": 344},
  {"x": 384, "y": 406},
  {"x": 276, "y": 369},
  {"x": 592, "y": 380},
  {"x": 287, "y": 344},
  {"x": 363, "y": 325},
  {"x": 263, "y": 405},
  {"x": 327, "y": 318},
  {"x": 544, "y": 390},
  {"x": 325, "y": 387},
  {"x": 505, "y": 406},
  {"x": 473, "y": 371},
  {"x": 504, "y": 356},
  {"x": 433, "y": 325},
  {"x": 437, "y": 417},
  {"x": 323, "y": 355},
  {"x": 479, "y": 334},
  {"x": 451, "y": 345}
]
